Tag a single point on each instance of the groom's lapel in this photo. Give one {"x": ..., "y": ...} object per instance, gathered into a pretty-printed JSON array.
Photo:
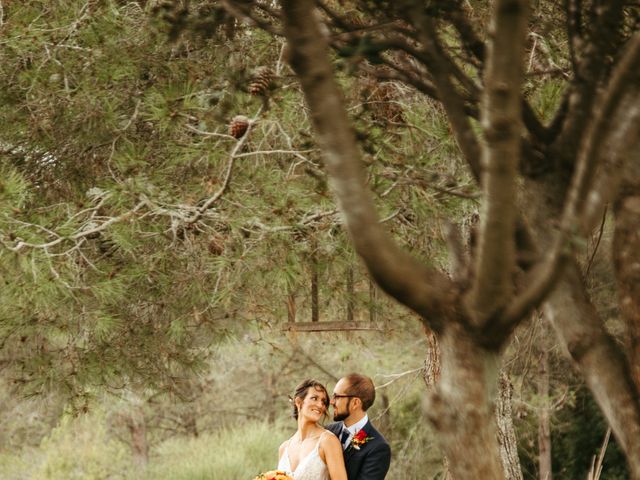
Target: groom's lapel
[{"x": 351, "y": 450}]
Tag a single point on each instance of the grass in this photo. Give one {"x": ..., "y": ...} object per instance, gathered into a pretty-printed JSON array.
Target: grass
[
  {"x": 83, "y": 449},
  {"x": 229, "y": 453}
]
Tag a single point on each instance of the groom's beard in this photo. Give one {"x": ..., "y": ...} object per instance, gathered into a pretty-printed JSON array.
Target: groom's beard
[{"x": 339, "y": 416}]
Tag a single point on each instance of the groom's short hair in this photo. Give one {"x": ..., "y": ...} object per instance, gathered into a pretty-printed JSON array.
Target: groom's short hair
[{"x": 362, "y": 387}]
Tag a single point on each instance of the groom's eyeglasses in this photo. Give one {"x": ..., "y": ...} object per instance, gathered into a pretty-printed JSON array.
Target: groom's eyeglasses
[{"x": 335, "y": 395}]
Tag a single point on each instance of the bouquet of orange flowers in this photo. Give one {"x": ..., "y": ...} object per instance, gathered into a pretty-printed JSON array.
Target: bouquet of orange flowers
[{"x": 273, "y": 475}]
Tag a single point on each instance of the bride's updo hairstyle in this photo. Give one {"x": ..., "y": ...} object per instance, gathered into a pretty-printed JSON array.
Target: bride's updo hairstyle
[{"x": 303, "y": 389}]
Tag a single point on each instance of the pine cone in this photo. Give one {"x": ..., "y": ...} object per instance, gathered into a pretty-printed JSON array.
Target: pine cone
[
  {"x": 261, "y": 81},
  {"x": 382, "y": 102},
  {"x": 356, "y": 20},
  {"x": 216, "y": 245},
  {"x": 238, "y": 126}
]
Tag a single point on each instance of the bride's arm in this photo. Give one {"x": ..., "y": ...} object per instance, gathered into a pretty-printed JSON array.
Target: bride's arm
[{"x": 331, "y": 453}]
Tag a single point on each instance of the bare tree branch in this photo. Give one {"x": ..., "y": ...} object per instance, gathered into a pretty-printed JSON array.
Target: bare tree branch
[
  {"x": 244, "y": 10},
  {"x": 588, "y": 75},
  {"x": 495, "y": 260}
]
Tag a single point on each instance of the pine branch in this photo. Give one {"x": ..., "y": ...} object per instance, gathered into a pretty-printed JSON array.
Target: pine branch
[
  {"x": 76, "y": 237},
  {"x": 440, "y": 67},
  {"x": 234, "y": 155}
]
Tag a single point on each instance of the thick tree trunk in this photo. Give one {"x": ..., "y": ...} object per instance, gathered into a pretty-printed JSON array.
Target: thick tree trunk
[
  {"x": 626, "y": 258},
  {"x": 373, "y": 301},
  {"x": 291, "y": 307},
  {"x": 544, "y": 430},
  {"x": 190, "y": 424},
  {"x": 462, "y": 407},
  {"x": 315, "y": 300},
  {"x": 603, "y": 366},
  {"x": 350, "y": 294},
  {"x": 506, "y": 432},
  {"x": 139, "y": 446}
]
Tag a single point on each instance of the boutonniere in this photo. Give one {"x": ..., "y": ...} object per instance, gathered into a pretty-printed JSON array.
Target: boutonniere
[{"x": 360, "y": 439}]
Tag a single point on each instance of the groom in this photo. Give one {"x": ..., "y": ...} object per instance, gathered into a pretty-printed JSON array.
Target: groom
[{"x": 366, "y": 453}]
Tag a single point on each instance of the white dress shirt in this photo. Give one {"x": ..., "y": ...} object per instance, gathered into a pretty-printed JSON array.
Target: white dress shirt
[{"x": 353, "y": 429}]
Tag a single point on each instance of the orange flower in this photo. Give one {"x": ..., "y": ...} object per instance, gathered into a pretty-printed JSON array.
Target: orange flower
[{"x": 273, "y": 475}]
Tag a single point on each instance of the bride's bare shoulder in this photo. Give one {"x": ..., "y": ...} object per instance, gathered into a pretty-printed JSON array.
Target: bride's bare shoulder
[
  {"x": 330, "y": 448},
  {"x": 328, "y": 438},
  {"x": 283, "y": 447}
]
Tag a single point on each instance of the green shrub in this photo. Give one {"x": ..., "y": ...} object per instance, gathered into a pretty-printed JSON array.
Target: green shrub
[
  {"x": 12, "y": 466},
  {"x": 240, "y": 452},
  {"x": 414, "y": 452},
  {"x": 81, "y": 448}
]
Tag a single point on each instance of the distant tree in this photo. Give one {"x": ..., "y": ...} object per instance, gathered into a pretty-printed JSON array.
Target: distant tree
[{"x": 546, "y": 173}]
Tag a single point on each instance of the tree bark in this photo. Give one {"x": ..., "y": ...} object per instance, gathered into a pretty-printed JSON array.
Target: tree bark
[
  {"x": 626, "y": 259},
  {"x": 544, "y": 431},
  {"x": 626, "y": 253},
  {"x": 315, "y": 300},
  {"x": 432, "y": 361},
  {"x": 601, "y": 363},
  {"x": 350, "y": 294},
  {"x": 461, "y": 408},
  {"x": 506, "y": 433},
  {"x": 138, "y": 429},
  {"x": 501, "y": 114},
  {"x": 373, "y": 301}
]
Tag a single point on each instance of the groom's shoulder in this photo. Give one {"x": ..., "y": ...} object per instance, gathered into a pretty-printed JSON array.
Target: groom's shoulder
[
  {"x": 334, "y": 427},
  {"x": 377, "y": 436}
]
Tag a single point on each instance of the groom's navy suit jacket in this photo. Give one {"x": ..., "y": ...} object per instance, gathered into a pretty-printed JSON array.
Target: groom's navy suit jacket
[{"x": 372, "y": 461}]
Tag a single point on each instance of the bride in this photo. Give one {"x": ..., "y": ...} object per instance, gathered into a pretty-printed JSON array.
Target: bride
[{"x": 312, "y": 453}]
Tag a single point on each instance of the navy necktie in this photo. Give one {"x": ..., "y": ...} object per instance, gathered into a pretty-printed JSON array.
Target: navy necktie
[{"x": 343, "y": 436}]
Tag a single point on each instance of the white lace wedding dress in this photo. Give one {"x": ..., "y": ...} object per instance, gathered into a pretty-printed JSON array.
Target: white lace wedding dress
[{"x": 311, "y": 467}]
